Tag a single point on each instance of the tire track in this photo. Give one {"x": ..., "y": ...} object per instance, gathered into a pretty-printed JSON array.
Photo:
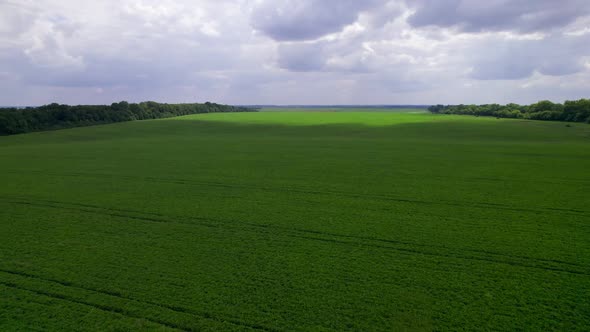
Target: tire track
[
  {"x": 107, "y": 212},
  {"x": 213, "y": 222},
  {"x": 485, "y": 252},
  {"x": 405, "y": 174},
  {"x": 382, "y": 197},
  {"x": 433, "y": 254},
  {"x": 480, "y": 205},
  {"x": 110, "y": 309},
  {"x": 321, "y": 236},
  {"x": 177, "y": 309}
]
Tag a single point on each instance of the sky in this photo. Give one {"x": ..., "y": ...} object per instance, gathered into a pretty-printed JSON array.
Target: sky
[{"x": 294, "y": 51}]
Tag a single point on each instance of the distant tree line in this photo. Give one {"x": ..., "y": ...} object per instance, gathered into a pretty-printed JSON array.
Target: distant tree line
[
  {"x": 56, "y": 116},
  {"x": 570, "y": 111}
]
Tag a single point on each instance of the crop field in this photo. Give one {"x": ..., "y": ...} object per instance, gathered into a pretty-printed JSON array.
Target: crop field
[
  {"x": 342, "y": 109},
  {"x": 305, "y": 221}
]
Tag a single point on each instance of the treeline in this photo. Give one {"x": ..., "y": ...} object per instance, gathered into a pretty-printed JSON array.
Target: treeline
[
  {"x": 56, "y": 116},
  {"x": 570, "y": 111}
]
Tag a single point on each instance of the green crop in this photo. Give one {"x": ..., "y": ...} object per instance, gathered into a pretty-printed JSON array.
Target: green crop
[{"x": 297, "y": 221}]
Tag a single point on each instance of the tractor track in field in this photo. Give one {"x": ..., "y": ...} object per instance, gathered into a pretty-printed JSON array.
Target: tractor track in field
[
  {"x": 93, "y": 305},
  {"x": 410, "y": 248},
  {"x": 217, "y": 223},
  {"x": 106, "y": 212},
  {"x": 220, "y": 223},
  {"x": 177, "y": 309},
  {"x": 432, "y": 254},
  {"x": 585, "y": 182},
  {"x": 382, "y": 197}
]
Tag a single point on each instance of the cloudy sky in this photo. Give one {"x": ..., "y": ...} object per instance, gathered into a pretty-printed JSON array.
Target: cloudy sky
[{"x": 294, "y": 51}]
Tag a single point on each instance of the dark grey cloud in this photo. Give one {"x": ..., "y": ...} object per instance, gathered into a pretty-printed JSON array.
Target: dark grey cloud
[
  {"x": 154, "y": 70},
  {"x": 498, "y": 15},
  {"x": 323, "y": 56},
  {"x": 301, "y": 57},
  {"x": 495, "y": 69},
  {"x": 289, "y": 20},
  {"x": 556, "y": 55}
]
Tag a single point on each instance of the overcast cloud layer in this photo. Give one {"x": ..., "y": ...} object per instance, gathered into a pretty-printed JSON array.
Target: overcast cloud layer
[{"x": 294, "y": 51}]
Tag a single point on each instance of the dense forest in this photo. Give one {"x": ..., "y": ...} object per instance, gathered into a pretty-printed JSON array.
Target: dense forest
[
  {"x": 570, "y": 111},
  {"x": 56, "y": 116}
]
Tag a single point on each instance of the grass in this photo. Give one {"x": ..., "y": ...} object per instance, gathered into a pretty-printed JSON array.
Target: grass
[
  {"x": 373, "y": 109},
  {"x": 297, "y": 221}
]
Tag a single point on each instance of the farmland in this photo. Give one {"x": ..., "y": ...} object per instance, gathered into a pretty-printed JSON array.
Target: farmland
[{"x": 297, "y": 221}]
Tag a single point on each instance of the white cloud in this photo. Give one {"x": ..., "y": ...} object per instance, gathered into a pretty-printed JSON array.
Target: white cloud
[{"x": 292, "y": 52}]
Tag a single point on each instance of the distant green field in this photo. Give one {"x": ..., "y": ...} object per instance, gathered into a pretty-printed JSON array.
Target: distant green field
[
  {"x": 297, "y": 221},
  {"x": 343, "y": 109}
]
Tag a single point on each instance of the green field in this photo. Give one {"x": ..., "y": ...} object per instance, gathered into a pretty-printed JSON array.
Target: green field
[
  {"x": 301, "y": 221},
  {"x": 343, "y": 109}
]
